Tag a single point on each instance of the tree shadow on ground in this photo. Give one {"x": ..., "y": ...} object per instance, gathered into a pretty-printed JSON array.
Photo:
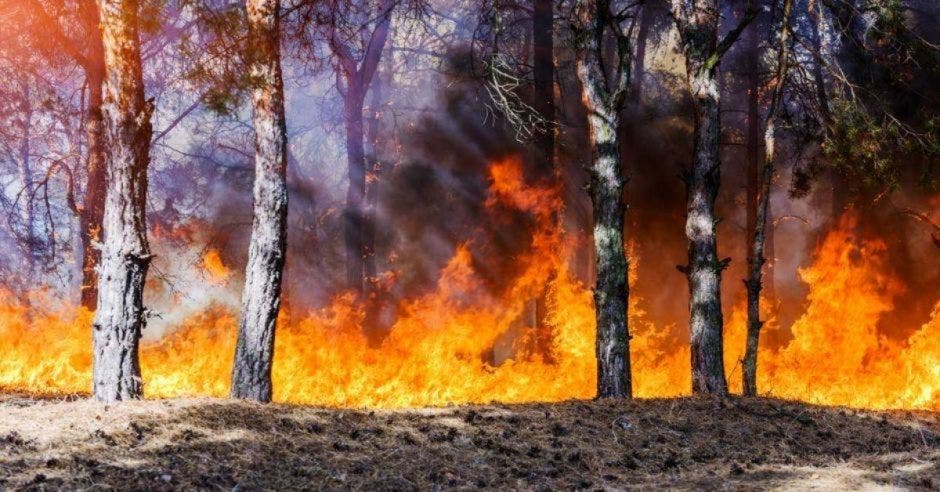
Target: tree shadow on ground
[{"x": 684, "y": 443}]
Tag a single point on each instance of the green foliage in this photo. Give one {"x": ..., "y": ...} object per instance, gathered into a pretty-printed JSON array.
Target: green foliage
[
  {"x": 215, "y": 54},
  {"x": 885, "y": 128},
  {"x": 877, "y": 151}
]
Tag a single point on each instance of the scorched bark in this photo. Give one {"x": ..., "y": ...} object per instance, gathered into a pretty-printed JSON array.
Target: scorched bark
[
  {"x": 90, "y": 215},
  {"x": 756, "y": 256},
  {"x": 606, "y": 187},
  {"x": 251, "y": 373},
  {"x": 120, "y": 316},
  {"x": 697, "y": 24}
]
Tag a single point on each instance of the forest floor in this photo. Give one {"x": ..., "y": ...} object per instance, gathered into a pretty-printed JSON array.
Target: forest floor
[{"x": 686, "y": 443}]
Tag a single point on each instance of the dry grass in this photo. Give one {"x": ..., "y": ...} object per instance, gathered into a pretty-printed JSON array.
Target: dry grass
[{"x": 681, "y": 443}]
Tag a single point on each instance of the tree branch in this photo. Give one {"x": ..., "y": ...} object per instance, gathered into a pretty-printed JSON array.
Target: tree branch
[
  {"x": 749, "y": 15},
  {"x": 55, "y": 30}
]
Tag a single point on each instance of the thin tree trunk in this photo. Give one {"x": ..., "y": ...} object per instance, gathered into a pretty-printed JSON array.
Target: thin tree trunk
[
  {"x": 642, "y": 40},
  {"x": 611, "y": 291},
  {"x": 92, "y": 212},
  {"x": 261, "y": 298},
  {"x": 543, "y": 82},
  {"x": 697, "y": 23},
  {"x": 816, "y": 19},
  {"x": 752, "y": 142},
  {"x": 358, "y": 77},
  {"x": 770, "y": 246},
  {"x": 369, "y": 224},
  {"x": 355, "y": 194},
  {"x": 26, "y": 178},
  {"x": 120, "y": 316},
  {"x": 756, "y": 256},
  {"x": 836, "y": 179}
]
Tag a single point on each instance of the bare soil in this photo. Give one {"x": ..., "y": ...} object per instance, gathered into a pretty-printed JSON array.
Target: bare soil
[{"x": 688, "y": 443}]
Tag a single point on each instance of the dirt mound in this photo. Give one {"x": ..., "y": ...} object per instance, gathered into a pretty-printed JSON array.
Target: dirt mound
[{"x": 682, "y": 443}]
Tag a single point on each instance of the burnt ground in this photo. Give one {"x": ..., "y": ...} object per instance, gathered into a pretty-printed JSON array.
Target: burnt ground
[{"x": 684, "y": 443}]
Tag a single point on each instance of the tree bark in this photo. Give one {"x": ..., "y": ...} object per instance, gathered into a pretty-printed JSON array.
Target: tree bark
[
  {"x": 543, "y": 82},
  {"x": 752, "y": 63},
  {"x": 358, "y": 77},
  {"x": 836, "y": 179},
  {"x": 756, "y": 255},
  {"x": 697, "y": 23},
  {"x": 704, "y": 269},
  {"x": 611, "y": 290},
  {"x": 369, "y": 224},
  {"x": 120, "y": 316},
  {"x": 261, "y": 298},
  {"x": 355, "y": 194},
  {"x": 642, "y": 40},
  {"x": 26, "y": 178},
  {"x": 92, "y": 212}
]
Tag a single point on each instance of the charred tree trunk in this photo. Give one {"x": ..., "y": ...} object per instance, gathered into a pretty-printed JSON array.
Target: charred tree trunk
[
  {"x": 120, "y": 316},
  {"x": 370, "y": 226},
  {"x": 752, "y": 139},
  {"x": 697, "y": 23},
  {"x": 357, "y": 77},
  {"x": 770, "y": 260},
  {"x": 261, "y": 299},
  {"x": 603, "y": 103},
  {"x": 753, "y": 66},
  {"x": 355, "y": 194},
  {"x": 642, "y": 40},
  {"x": 91, "y": 214},
  {"x": 756, "y": 254},
  {"x": 543, "y": 82}
]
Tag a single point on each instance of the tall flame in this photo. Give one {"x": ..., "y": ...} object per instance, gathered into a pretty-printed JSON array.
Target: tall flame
[
  {"x": 440, "y": 349},
  {"x": 837, "y": 354}
]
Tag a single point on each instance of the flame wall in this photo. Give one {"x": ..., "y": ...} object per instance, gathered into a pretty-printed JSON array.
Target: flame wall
[{"x": 440, "y": 349}]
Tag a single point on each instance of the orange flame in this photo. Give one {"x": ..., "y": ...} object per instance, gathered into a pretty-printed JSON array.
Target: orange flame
[
  {"x": 837, "y": 354},
  {"x": 440, "y": 350},
  {"x": 215, "y": 269}
]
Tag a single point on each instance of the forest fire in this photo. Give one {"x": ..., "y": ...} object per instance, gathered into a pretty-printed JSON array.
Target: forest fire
[
  {"x": 440, "y": 350},
  {"x": 547, "y": 244}
]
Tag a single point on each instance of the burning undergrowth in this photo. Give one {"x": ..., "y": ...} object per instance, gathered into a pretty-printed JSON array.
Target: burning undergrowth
[{"x": 464, "y": 342}]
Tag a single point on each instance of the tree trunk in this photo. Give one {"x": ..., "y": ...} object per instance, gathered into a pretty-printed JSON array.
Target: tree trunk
[
  {"x": 120, "y": 316},
  {"x": 753, "y": 65},
  {"x": 836, "y": 179},
  {"x": 752, "y": 142},
  {"x": 697, "y": 23},
  {"x": 26, "y": 178},
  {"x": 261, "y": 298},
  {"x": 543, "y": 83},
  {"x": 756, "y": 255},
  {"x": 355, "y": 194},
  {"x": 704, "y": 269},
  {"x": 611, "y": 292},
  {"x": 642, "y": 40},
  {"x": 369, "y": 224},
  {"x": 358, "y": 77},
  {"x": 93, "y": 210},
  {"x": 770, "y": 246}
]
